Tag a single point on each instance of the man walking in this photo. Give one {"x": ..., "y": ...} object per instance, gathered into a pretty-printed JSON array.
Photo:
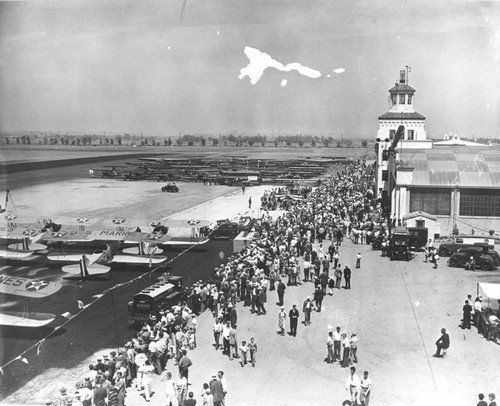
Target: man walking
[
  {"x": 294, "y": 319},
  {"x": 347, "y": 277},
  {"x": 442, "y": 343}
]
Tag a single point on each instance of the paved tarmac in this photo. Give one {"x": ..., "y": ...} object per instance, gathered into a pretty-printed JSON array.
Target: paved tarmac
[{"x": 397, "y": 310}]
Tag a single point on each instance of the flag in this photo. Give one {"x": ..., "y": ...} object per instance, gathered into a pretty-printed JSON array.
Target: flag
[
  {"x": 80, "y": 304},
  {"x": 1, "y": 371},
  {"x": 66, "y": 315},
  {"x": 24, "y": 360}
]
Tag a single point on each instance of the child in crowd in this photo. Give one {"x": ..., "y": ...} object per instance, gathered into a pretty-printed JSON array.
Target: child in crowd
[
  {"x": 252, "y": 347},
  {"x": 244, "y": 352}
]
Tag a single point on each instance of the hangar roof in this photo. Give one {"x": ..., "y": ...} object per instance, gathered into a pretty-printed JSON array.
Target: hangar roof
[{"x": 452, "y": 166}]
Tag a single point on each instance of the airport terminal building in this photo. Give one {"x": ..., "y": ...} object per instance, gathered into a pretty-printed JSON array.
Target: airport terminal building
[{"x": 455, "y": 185}]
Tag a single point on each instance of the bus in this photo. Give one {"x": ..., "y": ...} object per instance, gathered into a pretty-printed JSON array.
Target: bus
[{"x": 160, "y": 296}]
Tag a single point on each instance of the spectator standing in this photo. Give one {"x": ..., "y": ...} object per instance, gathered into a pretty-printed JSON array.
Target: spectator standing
[
  {"x": 337, "y": 340},
  {"x": 216, "y": 389},
  {"x": 252, "y": 347},
  {"x": 347, "y": 277},
  {"x": 307, "y": 309},
  {"x": 353, "y": 384},
  {"x": 147, "y": 371},
  {"x": 492, "y": 398},
  {"x": 329, "y": 347},
  {"x": 477, "y": 310},
  {"x": 466, "y": 315},
  {"x": 354, "y": 348},
  {"x": 318, "y": 298},
  {"x": 217, "y": 329},
  {"x": 282, "y": 320},
  {"x": 182, "y": 386},
  {"x": 347, "y": 348},
  {"x": 244, "y": 353},
  {"x": 294, "y": 320},
  {"x": 358, "y": 260},
  {"x": 281, "y": 292},
  {"x": 338, "y": 277},
  {"x": 184, "y": 364},
  {"x": 190, "y": 401},
  {"x": 365, "y": 391},
  {"x": 481, "y": 402},
  {"x": 170, "y": 389}
]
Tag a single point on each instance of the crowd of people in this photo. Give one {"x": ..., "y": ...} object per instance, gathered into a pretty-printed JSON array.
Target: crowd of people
[{"x": 270, "y": 262}]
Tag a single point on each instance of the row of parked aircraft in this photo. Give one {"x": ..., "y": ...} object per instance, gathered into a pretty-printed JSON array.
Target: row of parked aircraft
[{"x": 70, "y": 242}]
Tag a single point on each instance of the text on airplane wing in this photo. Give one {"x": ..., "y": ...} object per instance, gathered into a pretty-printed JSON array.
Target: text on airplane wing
[
  {"x": 128, "y": 236},
  {"x": 14, "y": 285}
]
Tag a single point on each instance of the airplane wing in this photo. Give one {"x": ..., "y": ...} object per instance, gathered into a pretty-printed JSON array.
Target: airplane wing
[
  {"x": 138, "y": 260},
  {"x": 67, "y": 234},
  {"x": 15, "y": 285},
  {"x": 189, "y": 223},
  {"x": 129, "y": 236},
  {"x": 80, "y": 221},
  {"x": 20, "y": 319},
  {"x": 17, "y": 226}
]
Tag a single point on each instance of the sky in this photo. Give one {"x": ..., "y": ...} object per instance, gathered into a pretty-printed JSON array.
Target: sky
[{"x": 156, "y": 67}]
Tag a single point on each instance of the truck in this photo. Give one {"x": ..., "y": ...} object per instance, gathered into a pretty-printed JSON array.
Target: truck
[
  {"x": 165, "y": 293},
  {"x": 399, "y": 243}
]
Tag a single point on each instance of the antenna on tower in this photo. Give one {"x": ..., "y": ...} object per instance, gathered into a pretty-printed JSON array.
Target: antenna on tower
[{"x": 408, "y": 70}]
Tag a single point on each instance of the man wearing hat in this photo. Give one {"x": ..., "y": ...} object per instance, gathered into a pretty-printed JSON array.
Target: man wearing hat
[{"x": 217, "y": 390}]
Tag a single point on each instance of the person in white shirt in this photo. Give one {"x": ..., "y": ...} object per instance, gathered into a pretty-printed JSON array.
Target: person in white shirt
[
  {"x": 147, "y": 371},
  {"x": 366, "y": 386},
  {"x": 329, "y": 347},
  {"x": 347, "y": 349},
  {"x": 353, "y": 384},
  {"x": 337, "y": 337},
  {"x": 354, "y": 348},
  {"x": 140, "y": 360},
  {"x": 170, "y": 389}
]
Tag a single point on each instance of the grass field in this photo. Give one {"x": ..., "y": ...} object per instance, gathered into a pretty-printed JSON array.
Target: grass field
[{"x": 29, "y": 153}]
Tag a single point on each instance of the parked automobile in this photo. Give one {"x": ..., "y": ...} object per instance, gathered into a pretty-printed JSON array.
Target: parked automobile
[
  {"x": 399, "y": 247},
  {"x": 462, "y": 257},
  {"x": 230, "y": 229},
  {"x": 448, "y": 247},
  {"x": 170, "y": 187}
]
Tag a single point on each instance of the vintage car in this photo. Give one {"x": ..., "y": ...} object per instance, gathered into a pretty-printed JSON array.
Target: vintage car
[
  {"x": 462, "y": 257},
  {"x": 399, "y": 244},
  {"x": 170, "y": 187}
]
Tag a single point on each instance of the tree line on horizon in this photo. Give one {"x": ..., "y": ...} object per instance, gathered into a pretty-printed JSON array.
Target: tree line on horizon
[{"x": 185, "y": 140}]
